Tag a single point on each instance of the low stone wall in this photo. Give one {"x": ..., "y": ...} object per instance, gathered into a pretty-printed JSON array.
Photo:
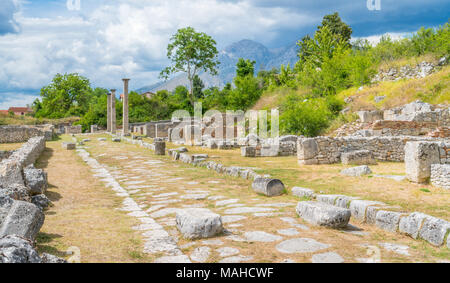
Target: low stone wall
[
  {"x": 4, "y": 154},
  {"x": 29, "y": 152},
  {"x": 73, "y": 129},
  {"x": 283, "y": 149},
  {"x": 16, "y": 134},
  {"x": 328, "y": 150}
]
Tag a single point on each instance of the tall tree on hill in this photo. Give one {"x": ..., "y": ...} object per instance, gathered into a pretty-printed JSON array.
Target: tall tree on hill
[
  {"x": 337, "y": 27},
  {"x": 191, "y": 52}
]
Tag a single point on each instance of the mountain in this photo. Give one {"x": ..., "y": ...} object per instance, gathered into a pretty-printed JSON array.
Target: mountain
[{"x": 248, "y": 49}]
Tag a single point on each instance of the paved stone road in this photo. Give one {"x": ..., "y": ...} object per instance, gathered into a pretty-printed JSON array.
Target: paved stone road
[{"x": 258, "y": 229}]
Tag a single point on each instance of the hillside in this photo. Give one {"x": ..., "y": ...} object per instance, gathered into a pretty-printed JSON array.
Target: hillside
[{"x": 265, "y": 59}]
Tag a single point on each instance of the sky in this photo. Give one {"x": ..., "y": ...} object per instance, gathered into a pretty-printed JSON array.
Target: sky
[{"x": 106, "y": 40}]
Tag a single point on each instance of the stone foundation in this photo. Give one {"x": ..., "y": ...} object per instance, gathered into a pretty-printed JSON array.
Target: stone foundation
[{"x": 328, "y": 150}]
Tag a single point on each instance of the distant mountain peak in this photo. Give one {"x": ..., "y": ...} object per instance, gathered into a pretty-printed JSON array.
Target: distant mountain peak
[{"x": 228, "y": 57}]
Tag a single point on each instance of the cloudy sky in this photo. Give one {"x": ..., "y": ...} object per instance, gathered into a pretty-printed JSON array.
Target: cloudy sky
[{"x": 106, "y": 40}]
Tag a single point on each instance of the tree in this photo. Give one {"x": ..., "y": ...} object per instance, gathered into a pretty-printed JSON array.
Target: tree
[
  {"x": 191, "y": 52},
  {"x": 67, "y": 95},
  {"x": 198, "y": 86},
  {"x": 337, "y": 27},
  {"x": 245, "y": 67}
]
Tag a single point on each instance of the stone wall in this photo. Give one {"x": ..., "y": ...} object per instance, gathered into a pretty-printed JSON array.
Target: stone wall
[
  {"x": 16, "y": 134},
  {"x": 73, "y": 129},
  {"x": 420, "y": 70},
  {"x": 328, "y": 150},
  {"x": 29, "y": 152},
  {"x": 440, "y": 175}
]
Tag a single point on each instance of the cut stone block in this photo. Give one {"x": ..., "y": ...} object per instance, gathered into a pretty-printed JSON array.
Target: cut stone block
[
  {"x": 434, "y": 230},
  {"x": 307, "y": 151},
  {"x": 14, "y": 249},
  {"x": 410, "y": 225},
  {"x": 69, "y": 145},
  {"x": 116, "y": 140},
  {"x": 358, "y": 157},
  {"x": 24, "y": 219},
  {"x": 357, "y": 171},
  {"x": 15, "y": 192},
  {"x": 358, "y": 208},
  {"x": 303, "y": 192},
  {"x": 248, "y": 151},
  {"x": 36, "y": 180},
  {"x": 268, "y": 187},
  {"x": 418, "y": 159},
  {"x": 388, "y": 220},
  {"x": 11, "y": 173},
  {"x": 195, "y": 223},
  {"x": 40, "y": 201},
  {"x": 160, "y": 147},
  {"x": 322, "y": 214}
]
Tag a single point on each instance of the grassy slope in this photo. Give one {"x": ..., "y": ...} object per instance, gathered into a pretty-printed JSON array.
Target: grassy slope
[{"x": 27, "y": 120}]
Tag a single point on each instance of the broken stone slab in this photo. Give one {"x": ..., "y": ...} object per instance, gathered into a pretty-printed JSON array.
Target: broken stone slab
[
  {"x": 434, "y": 230},
  {"x": 186, "y": 158},
  {"x": 69, "y": 145},
  {"x": 160, "y": 147},
  {"x": 337, "y": 200},
  {"x": 201, "y": 254},
  {"x": 268, "y": 187},
  {"x": 303, "y": 192},
  {"x": 227, "y": 251},
  {"x": 388, "y": 220},
  {"x": 24, "y": 219},
  {"x": 358, "y": 157},
  {"x": 358, "y": 208},
  {"x": 116, "y": 140},
  {"x": 36, "y": 180},
  {"x": 195, "y": 223},
  {"x": 11, "y": 173},
  {"x": 15, "y": 249},
  {"x": 301, "y": 245},
  {"x": 322, "y": 214},
  {"x": 357, "y": 171},
  {"x": 101, "y": 139}
]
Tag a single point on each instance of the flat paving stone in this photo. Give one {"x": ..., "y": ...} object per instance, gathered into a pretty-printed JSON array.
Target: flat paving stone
[
  {"x": 236, "y": 259},
  {"x": 261, "y": 236},
  {"x": 232, "y": 218},
  {"x": 288, "y": 232},
  {"x": 173, "y": 259},
  {"x": 226, "y": 202},
  {"x": 227, "y": 251},
  {"x": 201, "y": 254},
  {"x": 398, "y": 249},
  {"x": 239, "y": 210},
  {"x": 212, "y": 242},
  {"x": 327, "y": 258},
  {"x": 195, "y": 196},
  {"x": 300, "y": 245}
]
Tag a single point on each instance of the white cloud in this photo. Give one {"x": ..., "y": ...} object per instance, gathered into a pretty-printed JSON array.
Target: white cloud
[
  {"x": 127, "y": 38},
  {"x": 16, "y": 100},
  {"x": 375, "y": 39}
]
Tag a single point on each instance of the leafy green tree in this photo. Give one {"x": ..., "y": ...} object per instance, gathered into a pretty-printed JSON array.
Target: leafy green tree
[
  {"x": 198, "y": 87},
  {"x": 245, "y": 67},
  {"x": 67, "y": 95},
  {"x": 337, "y": 27},
  {"x": 191, "y": 52}
]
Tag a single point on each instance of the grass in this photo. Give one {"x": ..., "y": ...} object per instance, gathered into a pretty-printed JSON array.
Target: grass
[
  {"x": 83, "y": 215},
  {"x": 6, "y": 119},
  {"x": 434, "y": 89}
]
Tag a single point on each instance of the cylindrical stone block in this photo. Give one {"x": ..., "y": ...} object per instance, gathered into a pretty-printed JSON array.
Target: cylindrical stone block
[{"x": 268, "y": 187}]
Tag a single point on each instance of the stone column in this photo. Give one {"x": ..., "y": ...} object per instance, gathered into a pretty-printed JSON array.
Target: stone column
[
  {"x": 113, "y": 111},
  {"x": 125, "y": 107},
  {"x": 108, "y": 122}
]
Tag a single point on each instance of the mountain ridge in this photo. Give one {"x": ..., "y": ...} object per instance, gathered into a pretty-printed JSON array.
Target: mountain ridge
[{"x": 264, "y": 57}]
